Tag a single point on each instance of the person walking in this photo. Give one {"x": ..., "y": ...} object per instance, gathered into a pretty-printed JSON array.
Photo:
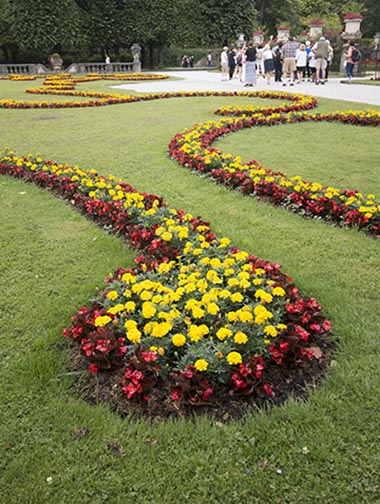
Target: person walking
[
  {"x": 349, "y": 61},
  {"x": 231, "y": 61},
  {"x": 224, "y": 63},
  {"x": 277, "y": 62},
  {"x": 321, "y": 50},
  {"x": 301, "y": 60},
  {"x": 289, "y": 66},
  {"x": 250, "y": 65},
  {"x": 268, "y": 60}
]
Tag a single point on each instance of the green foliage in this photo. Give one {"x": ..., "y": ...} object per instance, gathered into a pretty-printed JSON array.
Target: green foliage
[{"x": 43, "y": 24}]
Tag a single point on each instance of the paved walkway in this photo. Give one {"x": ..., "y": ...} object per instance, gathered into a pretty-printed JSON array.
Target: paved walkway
[{"x": 203, "y": 80}]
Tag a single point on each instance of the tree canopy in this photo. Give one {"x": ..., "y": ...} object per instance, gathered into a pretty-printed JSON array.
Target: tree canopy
[{"x": 93, "y": 27}]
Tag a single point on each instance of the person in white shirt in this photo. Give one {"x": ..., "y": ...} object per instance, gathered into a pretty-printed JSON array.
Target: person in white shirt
[
  {"x": 301, "y": 60},
  {"x": 224, "y": 63}
]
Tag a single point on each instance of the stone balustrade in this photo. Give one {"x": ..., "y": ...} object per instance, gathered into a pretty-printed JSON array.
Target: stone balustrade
[{"x": 82, "y": 68}]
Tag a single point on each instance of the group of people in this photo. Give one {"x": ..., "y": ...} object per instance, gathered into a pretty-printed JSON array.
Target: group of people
[
  {"x": 288, "y": 62},
  {"x": 187, "y": 61}
]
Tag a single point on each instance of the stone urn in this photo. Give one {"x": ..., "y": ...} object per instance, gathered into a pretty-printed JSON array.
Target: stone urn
[
  {"x": 258, "y": 37},
  {"x": 316, "y": 29},
  {"x": 56, "y": 62},
  {"x": 283, "y": 33},
  {"x": 352, "y": 27}
]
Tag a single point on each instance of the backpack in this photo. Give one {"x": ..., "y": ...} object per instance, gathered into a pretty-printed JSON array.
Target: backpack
[{"x": 355, "y": 56}]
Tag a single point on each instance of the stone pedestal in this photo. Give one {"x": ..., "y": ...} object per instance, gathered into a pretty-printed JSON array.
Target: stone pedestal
[
  {"x": 351, "y": 32},
  {"x": 352, "y": 27},
  {"x": 283, "y": 33},
  {"x": 316, "y": 29},
  {"x": 258, "y": 37}
]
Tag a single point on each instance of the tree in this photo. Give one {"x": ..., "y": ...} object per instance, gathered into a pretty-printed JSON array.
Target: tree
[{"x": 44, "y": 25}]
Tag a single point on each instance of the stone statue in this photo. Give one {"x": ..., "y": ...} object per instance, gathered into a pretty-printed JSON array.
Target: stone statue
[{"x": 136, "y": 53}]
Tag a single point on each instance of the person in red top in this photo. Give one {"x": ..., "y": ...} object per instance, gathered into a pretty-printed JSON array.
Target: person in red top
[{"x": 349, "y": 61}]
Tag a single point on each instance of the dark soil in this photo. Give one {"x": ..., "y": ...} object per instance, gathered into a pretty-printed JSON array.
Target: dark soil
[{"x": 296, "y": 381}]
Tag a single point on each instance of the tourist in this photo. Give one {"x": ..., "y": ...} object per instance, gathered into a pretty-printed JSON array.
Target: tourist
[
  {"x": 231, "y": 61},
  {"x": 259, "y": 59},
  {"x": 108, "y": 63},
  {"x": 312, "y": 63},
  {"x": 289, "y": 66},
  {"x": 209, "y": 59},
  {"x": 349, "y": 61},
  {"x": 301, "y": 60},
  {"x": 224, "y": 63},
  {"x": 308, "y": 51},
  {"x": 267, "y": 57},
  {"x": 329, "y": 60},
  {"x": 277, "y": 62},
  {"x": 239, "y": 64},
  {"x": 321, "y": 50},
  {"x": 250, "y": 65}
]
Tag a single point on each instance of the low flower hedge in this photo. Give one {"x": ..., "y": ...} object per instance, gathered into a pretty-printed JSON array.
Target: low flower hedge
[
  {"x": 344, "y": 207},
  {"x": 197, "y": 316}
]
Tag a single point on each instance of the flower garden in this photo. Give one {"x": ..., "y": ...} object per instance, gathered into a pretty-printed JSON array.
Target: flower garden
[
  {"x": 198, "y": 317},
  {"x": 198, "y": 324}
]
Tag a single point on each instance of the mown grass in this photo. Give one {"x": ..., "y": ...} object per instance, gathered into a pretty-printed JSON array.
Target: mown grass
[{"x": 53, "y": 260}]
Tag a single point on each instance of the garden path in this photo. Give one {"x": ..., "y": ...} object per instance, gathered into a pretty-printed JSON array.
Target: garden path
[{"x": 203, "y": 80}]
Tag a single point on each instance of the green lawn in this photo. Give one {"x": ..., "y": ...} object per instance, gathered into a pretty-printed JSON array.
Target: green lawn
[{"x": 52, "y": 261}]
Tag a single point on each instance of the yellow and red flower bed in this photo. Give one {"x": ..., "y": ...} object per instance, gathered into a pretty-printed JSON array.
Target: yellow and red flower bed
[
  {"x": 196, "y": 317},
  {"x": 344, "y": 207}
]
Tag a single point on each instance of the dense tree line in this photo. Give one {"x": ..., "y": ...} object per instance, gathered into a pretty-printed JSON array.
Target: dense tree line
[{"x": 90, "y": 28}]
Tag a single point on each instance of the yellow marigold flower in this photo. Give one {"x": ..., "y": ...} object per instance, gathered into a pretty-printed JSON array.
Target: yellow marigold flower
[
  {"x": 201, "y": 365},
  {"x": 213, "y": 308},
  {"x": 241, "y": 256},
  {"x": 223, "y": 333},
  {"x": 197, "y": 251},
  {"x": 232, "y": 316},
  {"x": 270, "y": 331},
  {"x": 244, "y": 316},
  {"x": 237, "y": 297},
  {"x": 281, "y": 327},
  {"x": 261, "y": 314},
  {"x": 196, "y": 332},
  {"x": 234, "y": 358},
  {"x": 224, "y": 294},
  {"x": 240, "y": 338},
  {"x": 161, "y": 330},
  {"x": 148, "y": 310},
  {"x": 233, "y": 282},
  {"x": 165, "y": 267},
  {"x": 161, "y": 351},
  {"x": 159, "y": 231},
  {"x": 116, "y": 309},
  {"x": 146, "y": 295},
  {"x": 130, "y": 324},
  {"x": 102, "y": 320},
  {"x": 215, "y": 262},
  {"x": 278, "y": 291},
  {"x": 198, "y": 312},
  {"x": 166, "y": 236},
  {"x": 112, "y": 295},
  {"x": 178, "y": 340},
  {"x": 229, "y": 272},
  {"x": 224, "y": 242},
  {"x": 134, "y": 335},
  {"x": 130, "y": 306}
]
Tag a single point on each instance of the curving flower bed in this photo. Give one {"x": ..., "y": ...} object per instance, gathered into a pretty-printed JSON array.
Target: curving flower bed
[
  {"x": 344, "y": 207},
  {"x": 197, "y": 319}
]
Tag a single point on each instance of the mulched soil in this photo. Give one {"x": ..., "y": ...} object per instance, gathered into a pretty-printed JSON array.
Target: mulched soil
[{"x": 297, "y": 381}]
